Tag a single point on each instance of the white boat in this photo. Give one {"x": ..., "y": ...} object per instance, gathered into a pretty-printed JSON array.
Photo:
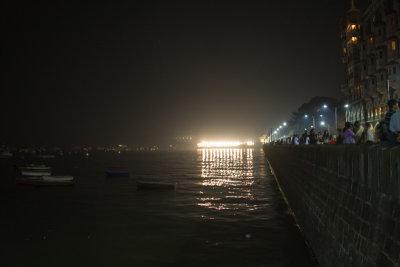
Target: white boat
[
  {"x": 6, "y": 154},
  {"x": 57, "y": 178},
  {"x": 34, "y": 167},
  {"x": 35, "y": 173}
]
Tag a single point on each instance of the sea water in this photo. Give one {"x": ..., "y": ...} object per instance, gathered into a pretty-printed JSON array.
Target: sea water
[{"x": 226, "y": 211}]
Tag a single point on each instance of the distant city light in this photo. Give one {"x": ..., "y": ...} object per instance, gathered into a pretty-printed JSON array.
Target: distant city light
[
  {"x": 322, "y": 123},
  {"x": 321, "y": 115},
  {"x": 346, "y": 106},
  {"x": 284, "y": 124},
  {"x": 325, "y": 106},
  {"x": 206, "y": 144},
  {"x": 306, "y": 116},
  {"x": 280, "y": 126}
]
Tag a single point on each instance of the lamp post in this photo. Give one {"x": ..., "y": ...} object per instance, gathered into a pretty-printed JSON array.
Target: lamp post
[{"x": 313, "y": 119}]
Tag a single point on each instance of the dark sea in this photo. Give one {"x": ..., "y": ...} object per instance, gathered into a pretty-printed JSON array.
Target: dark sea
[{"x": 226, "y": 211}]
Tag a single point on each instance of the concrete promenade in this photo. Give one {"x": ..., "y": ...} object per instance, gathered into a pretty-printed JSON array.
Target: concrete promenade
[{"x": 346, "y": 199}]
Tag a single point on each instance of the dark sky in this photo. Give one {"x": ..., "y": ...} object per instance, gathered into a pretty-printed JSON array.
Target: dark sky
[{"x": 131, "y": 72}]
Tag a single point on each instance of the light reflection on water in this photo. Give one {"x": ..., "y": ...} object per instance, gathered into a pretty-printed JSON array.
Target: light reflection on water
[{"x": 229, "y": 174}]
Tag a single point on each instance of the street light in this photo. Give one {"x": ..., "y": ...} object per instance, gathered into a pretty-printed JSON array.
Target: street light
[
  {"x": 284, "y": 124},
  {"x": 313, "y": 119},
  {"x": 325, "y": 106}
]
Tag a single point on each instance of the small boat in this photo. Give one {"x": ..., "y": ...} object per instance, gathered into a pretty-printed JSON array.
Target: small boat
[
  {"x": 34, "y": 167},
  {"x": 117, "y": 173},
  {"x": 155, "y": 185},
  {"x": 46, "y": 156},
  {"x": 6, "y": 154},
  {"x": 40, "y": 182},
  {"x": 35, "y": 173},
  {"x": 57, "y": 178}
]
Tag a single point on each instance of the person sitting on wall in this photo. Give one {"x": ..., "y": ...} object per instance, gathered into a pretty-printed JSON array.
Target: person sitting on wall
[
  {"x": 296, "y": 139},
  {"x": 339, "y": 137},
  {"x": 303, "y": 138},
  {"x": 313, "y": 137},
  {"x": 388, "y": 134},
  {"x": 348, "y": 134},
  {"x": 358, "y": 131},
  {"x": 369, "y": 137},
  {"x": 395, "y": 126}
]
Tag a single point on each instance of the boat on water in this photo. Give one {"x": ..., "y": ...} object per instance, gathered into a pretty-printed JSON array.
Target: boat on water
[
  {"x": 155, "y": 185},
  {"x": 117, "y": 173},
  {"x": 34, "y": 167},
  {"x": 6, "y": 154},
  {"x": 54, "y": 178},
  {"x": 35, "y": 173},
  {"x": 46, "y": 156},
  {"x": 39, "y": 181}
]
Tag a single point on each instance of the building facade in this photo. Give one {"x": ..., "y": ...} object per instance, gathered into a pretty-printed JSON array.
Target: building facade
[{"x": 370, "y": 53}]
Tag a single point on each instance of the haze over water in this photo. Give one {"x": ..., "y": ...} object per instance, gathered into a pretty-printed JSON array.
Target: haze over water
[{"x": 226, "y": 211}]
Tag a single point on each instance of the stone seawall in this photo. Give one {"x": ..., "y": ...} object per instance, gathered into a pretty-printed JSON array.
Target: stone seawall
[{"x": 346, "y": 200}]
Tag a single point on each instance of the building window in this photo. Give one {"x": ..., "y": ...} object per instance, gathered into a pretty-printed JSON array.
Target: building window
[
  {"x": 344, "y": 50},
  {"x": 393, "y": 45},
  {"x": 353, "y": 26},
  {"x": 380, "y": 110},
  {"x": 371, "y": 39},
  {"x": 354, "y": 39},
  {"x": 381, "y": 77},
  {"x": 394, "y": 70}
]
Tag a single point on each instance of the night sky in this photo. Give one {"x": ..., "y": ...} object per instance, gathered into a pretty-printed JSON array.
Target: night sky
[{"x": 143, "y": 72}]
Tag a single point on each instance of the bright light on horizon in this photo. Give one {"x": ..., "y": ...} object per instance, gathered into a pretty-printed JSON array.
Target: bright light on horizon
[{"x": 225, "y": 144}]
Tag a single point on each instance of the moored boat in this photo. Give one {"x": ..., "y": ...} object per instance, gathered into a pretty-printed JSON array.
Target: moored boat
[
  {"x": 41, "y": 182},
  {"x": 35, "y": 172},
  {"x": 34, "y": 167},
  {"x": 57, "y": 178},
  {"x": 155, "y": 185},
  {"x": 117, "y": 173}
]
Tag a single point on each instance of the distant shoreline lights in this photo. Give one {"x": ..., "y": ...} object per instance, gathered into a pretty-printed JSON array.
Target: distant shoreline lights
[{"x": 205, "y": 144}]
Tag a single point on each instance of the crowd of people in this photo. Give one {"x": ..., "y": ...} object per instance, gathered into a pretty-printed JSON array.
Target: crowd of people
[{"x": 386, "y": 132}]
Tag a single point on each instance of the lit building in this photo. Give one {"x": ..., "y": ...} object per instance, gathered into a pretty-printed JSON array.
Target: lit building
[{"x": 370, "y": 49}]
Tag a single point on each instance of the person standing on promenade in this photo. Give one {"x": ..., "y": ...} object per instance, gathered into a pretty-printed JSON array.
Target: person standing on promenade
[
  {"x": 348, "y": 134},
  {"x": 359, "y": 132},
  {"x": 313, "y": 137},
  {"x": 389, "y": 135}
]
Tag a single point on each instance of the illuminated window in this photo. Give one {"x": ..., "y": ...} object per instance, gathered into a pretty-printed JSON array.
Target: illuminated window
[
  {"x": 380, "y": 110},
  {"x": 354, "y": 39},
  {"x": 371, "y": 39},
  {"x": 393, "y": 45},
  {"x": 376, "y": 112},
  {"x": 353, "y": 26},
  {"x": 344, "y": 50}
]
